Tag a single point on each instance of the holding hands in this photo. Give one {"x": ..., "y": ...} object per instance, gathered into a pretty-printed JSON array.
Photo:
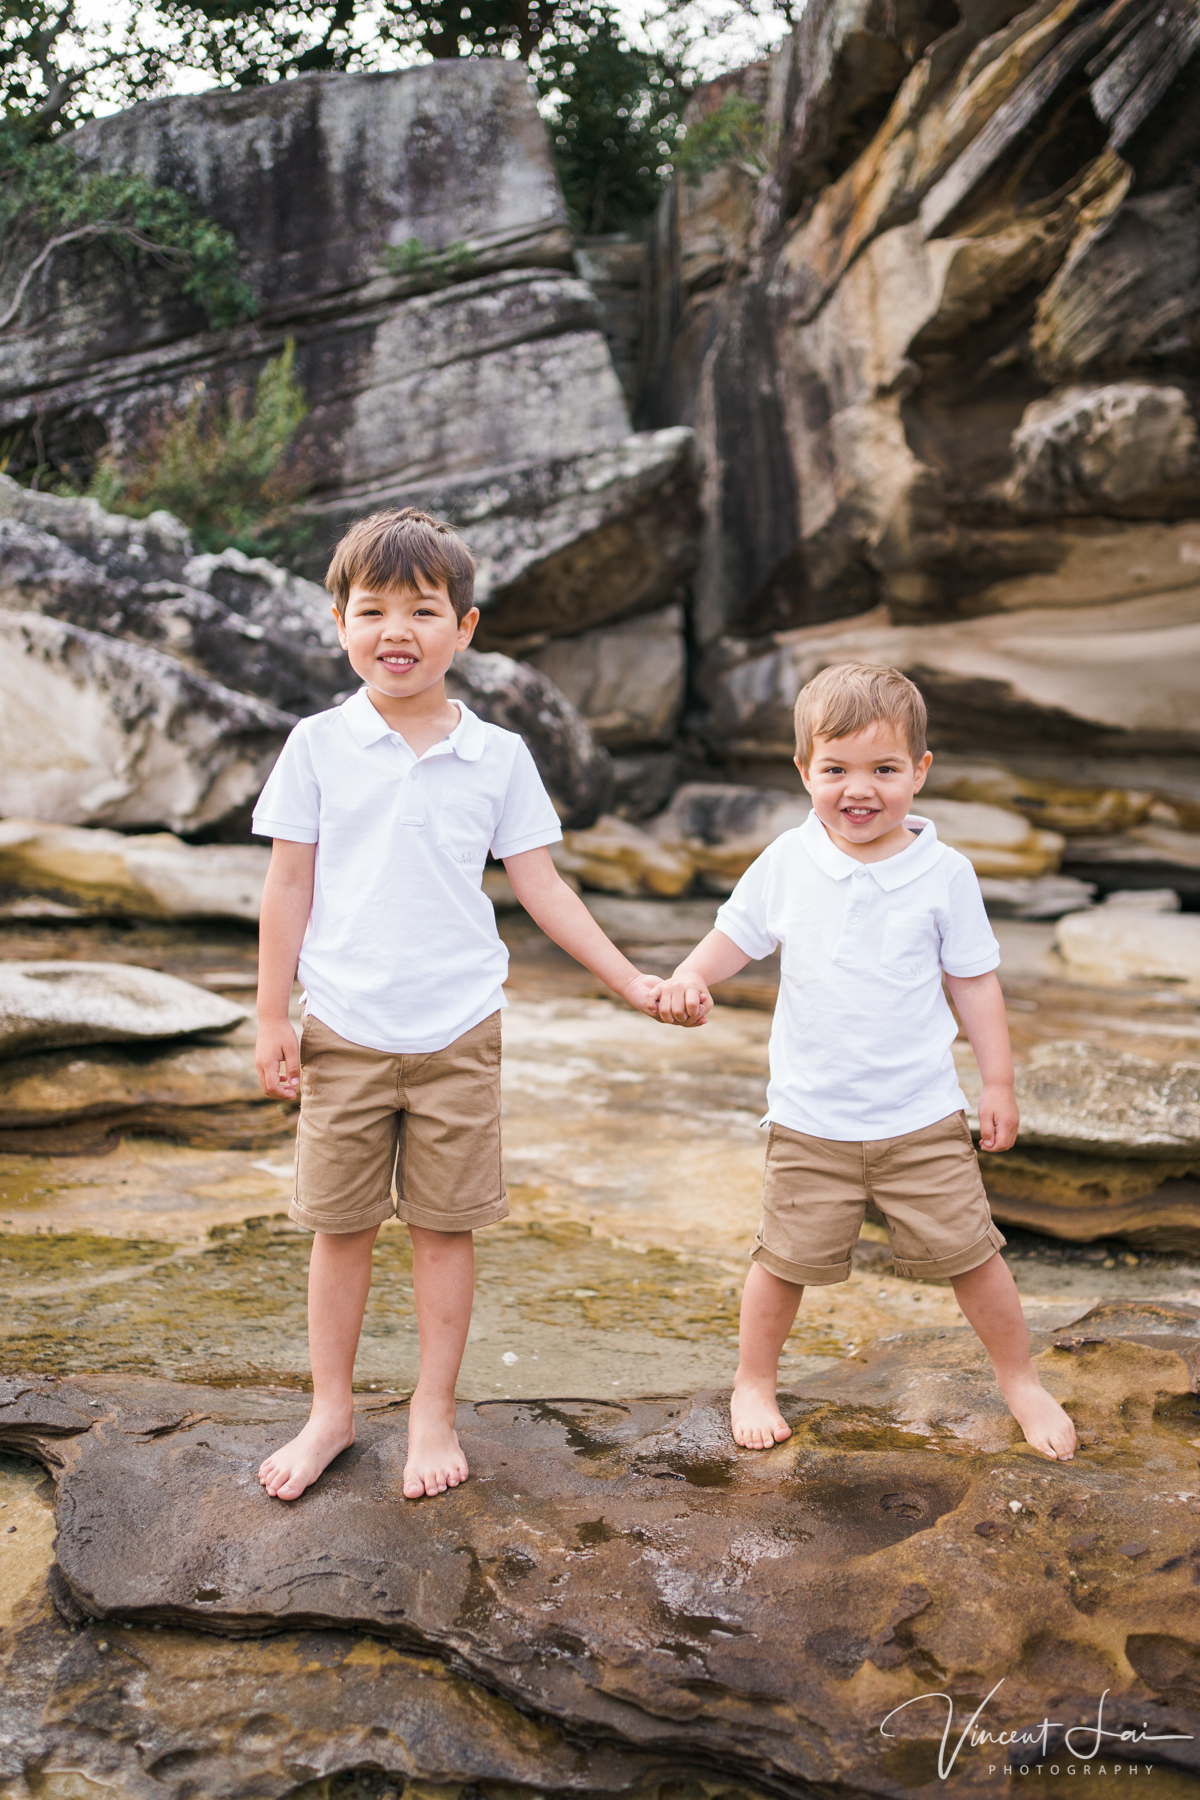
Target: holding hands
[{"x": 684, "y": 999}]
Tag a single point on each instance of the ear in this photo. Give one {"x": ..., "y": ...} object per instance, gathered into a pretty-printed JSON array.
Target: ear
[
  {"x": 920, "y": 771},
  {"x": 803, "y": 773},
  {"x": 466, "y": 628},
  {"x": 343, "y": 640}
]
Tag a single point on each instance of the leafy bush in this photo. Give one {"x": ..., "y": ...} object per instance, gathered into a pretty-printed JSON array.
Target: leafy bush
[
  {"x": 44, "y": 196},
  {"x": 222, "y": 465},
  {"x": 731, "y": 133},
  {"x": 457, "y": 262}
]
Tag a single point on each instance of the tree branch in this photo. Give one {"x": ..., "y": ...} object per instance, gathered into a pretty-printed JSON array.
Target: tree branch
[{"x": 106, "y": 228}]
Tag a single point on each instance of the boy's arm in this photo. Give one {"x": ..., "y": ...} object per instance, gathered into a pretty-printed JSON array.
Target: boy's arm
[
  {"x": 563, "y": 916},
  {"x": 980, "y": 1006},
  {"x": 286, "y": 905},
  {"x": 685, "y": 999}
]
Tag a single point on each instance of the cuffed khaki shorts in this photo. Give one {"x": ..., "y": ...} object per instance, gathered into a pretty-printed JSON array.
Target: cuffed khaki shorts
[
  {"x": 926, "y": 1184},
  {"x": 430, "y": 1122}
]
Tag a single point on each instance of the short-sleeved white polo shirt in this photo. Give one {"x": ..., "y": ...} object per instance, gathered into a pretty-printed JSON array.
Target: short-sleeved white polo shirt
[
  {"x": 402, "y": 952},
  {"x": 861, "y": 1044}
]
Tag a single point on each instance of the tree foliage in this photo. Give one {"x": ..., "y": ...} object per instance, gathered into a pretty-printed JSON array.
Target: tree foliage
[{"x": 47, "y": 204}]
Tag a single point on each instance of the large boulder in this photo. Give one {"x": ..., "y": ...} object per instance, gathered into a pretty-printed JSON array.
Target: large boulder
[
  {"x": 46, "y": 1005},
  {"x": 407, "y": 232},
  {"x": 576, "y": 771},
  {"x": 626, "y": 680},
  {"x": 241, "y": 620},
  {"x": 1112, "y": 945},
  {"x": 99, "y": 731}
]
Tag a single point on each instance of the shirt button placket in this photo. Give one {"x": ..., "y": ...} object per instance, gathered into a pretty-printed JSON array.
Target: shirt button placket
[{"x": 856, "y": 905}]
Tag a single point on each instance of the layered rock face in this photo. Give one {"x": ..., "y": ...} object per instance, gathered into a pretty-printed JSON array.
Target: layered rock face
[
  {"x": 408, "y": 233},
  {"x": 941, "y": 357}
]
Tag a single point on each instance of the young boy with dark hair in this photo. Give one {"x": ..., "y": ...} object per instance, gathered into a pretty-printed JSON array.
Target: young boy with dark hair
[
  {"x": 383, "y": 811},
  {"x": 864, "y": 1103}
]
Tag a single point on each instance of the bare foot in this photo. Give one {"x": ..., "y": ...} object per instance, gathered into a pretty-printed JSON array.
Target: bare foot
[
  {"x": 1046, "y": 1426},
  {"x": 757, "y": 1422},
  {"x": 435, "y": 1458},
  {"x": 287, "y": 1472}
]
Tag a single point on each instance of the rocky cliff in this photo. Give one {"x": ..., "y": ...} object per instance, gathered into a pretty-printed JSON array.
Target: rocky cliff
[
  {"x": 941, "y": 356},
  {"x": 933, "y": 330}
]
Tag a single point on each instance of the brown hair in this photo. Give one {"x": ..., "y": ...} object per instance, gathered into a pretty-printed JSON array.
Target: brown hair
[
  {"x": 398, "y": 549},
  {"x": 849, "y": 697}
]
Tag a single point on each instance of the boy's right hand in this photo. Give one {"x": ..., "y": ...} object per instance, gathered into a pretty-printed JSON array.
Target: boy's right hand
[
  {"x": 684, "y": 1000},
  {"x": 277, "y": 1043}
]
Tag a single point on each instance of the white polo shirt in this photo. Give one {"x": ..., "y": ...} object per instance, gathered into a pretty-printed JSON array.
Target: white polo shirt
[
  {"x": 862, "y": 1036},
  {"x": 402, "y": 952}
]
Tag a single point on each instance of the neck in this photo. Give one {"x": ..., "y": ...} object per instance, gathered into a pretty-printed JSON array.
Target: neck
[
  {"x": 421, "y": 719},
  {"x": 878, "y": 850}
]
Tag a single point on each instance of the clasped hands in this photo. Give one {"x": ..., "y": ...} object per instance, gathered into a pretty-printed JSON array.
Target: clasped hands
[{"x": 682, "y": 1000}]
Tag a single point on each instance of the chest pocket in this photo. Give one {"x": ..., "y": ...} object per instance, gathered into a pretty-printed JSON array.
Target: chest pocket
[
  {"x": 910, "y": 944},
  {"x": 465, "y": 831}
]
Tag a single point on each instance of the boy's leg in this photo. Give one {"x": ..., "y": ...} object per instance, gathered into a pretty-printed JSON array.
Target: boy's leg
[
  {"x": 339, "y": 1279},
  {"x": 443, "y": 1287},
  {"x": 769, "y": 1307},
  {"x": 988, "y": 1296}
]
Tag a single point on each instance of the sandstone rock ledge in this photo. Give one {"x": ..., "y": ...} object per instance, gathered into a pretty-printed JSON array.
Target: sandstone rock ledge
[{"x": 618, "y": 1569}]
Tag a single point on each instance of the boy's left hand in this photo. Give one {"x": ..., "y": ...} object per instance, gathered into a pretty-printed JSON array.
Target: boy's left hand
[{"x": 998, "y": 1118}]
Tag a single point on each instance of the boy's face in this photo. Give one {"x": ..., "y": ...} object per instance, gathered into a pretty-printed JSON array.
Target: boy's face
[
  {"x": 862, "y": 786},
  {"x": 401, "y": 641}
]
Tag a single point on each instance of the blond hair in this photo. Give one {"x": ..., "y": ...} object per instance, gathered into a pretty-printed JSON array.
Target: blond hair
[
  {"x": 850, "y": 697},
  {"x": 395, "y": 550}
]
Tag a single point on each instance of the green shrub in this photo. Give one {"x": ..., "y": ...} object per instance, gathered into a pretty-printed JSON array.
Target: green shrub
[
  {"x": 457, "y": 262},
  {"x": 222, "y": 465},
  {"x": 46, "y": 203}
]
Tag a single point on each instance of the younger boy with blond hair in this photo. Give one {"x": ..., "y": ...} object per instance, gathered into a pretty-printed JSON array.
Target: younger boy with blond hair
[
  {"x": 383, "y": 811},
  {"x": 870, "y": 911}
]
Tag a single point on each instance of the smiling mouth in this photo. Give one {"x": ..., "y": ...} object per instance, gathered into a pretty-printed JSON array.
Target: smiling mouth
[
  {"x": 398, "y": 661},
  {"x": 860, "y": 814}
]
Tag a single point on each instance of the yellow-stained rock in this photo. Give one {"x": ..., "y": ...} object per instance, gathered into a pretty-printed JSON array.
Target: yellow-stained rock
[
  {"x": 995, "y": 841},
  {"x": 1050, "y": 805},
  {"x": 65, "y": 871},
  {"x": 619, "y": 858}
]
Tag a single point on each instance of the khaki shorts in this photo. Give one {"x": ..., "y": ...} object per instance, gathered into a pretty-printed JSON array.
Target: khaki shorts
[
  {"x": 926, "y": 1184},
  {"x": 432, "y": 1122}
]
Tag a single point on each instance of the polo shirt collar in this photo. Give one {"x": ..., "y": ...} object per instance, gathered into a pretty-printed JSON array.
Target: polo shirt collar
[
  {"x": 367, "y": 725},
  {"x": 893, "y": 872}
]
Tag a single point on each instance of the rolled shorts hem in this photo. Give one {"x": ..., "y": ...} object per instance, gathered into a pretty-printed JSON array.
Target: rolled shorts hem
[
  {"x": 803, "y": 1274},
  {"x": 338, "y": 1223},
  {"x": 960, "y": 1263},
  {"x": 426, "y": 1219}
]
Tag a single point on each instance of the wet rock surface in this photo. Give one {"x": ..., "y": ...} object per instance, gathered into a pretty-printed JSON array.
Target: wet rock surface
[
  {"x": 65, "y": 1102},
  {"x": 630, "y": 1573}
]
